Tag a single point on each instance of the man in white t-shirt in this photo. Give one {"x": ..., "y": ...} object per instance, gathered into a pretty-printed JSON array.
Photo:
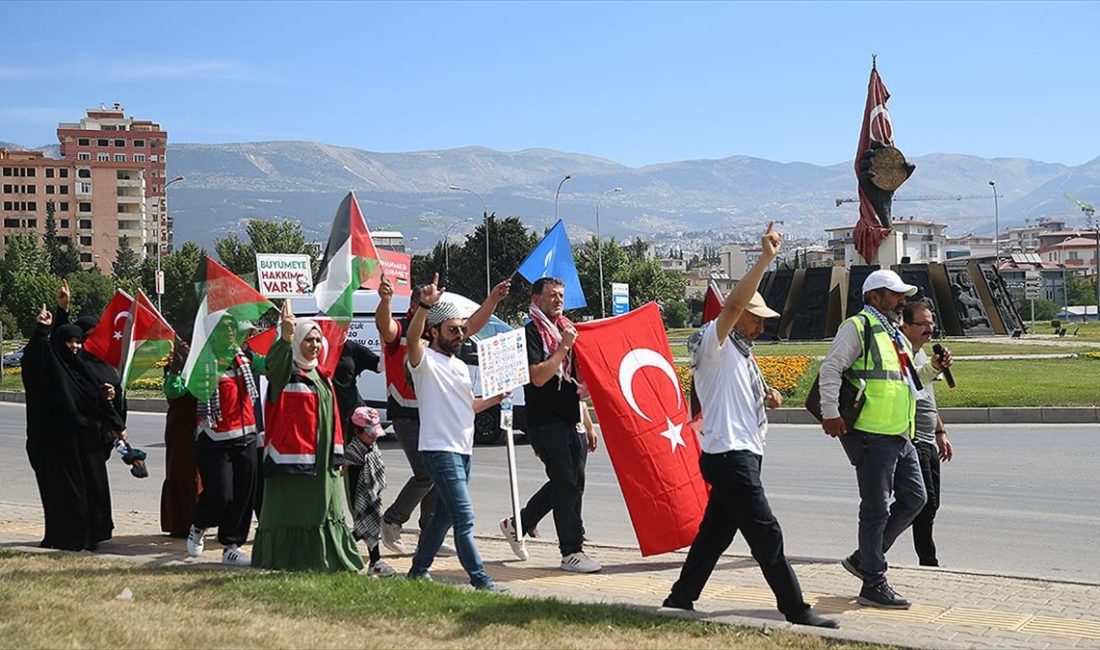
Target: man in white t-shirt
[
  {"x": 447, "y": 408},
  {"x": 733, "y": 396}
]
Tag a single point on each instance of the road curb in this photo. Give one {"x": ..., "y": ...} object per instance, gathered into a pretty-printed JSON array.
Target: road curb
[{"x": 795, "y": 415}]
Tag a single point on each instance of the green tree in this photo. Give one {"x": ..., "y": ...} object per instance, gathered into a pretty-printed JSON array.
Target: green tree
[
  {"x": 9, "y": 322},
  {"x": 1080, "y": 291},
  {"x": 63, "y": 259},
  {"x": 615, "y": 260},
  {"x": 91, "y": 292},
  {"x": 264, "y": 236},
  {"x": 25, "y": 297},
  {"x": 180, "y": 299},
  {"x": 126, "y": 269},
  {"x": 22, "y": 256}
]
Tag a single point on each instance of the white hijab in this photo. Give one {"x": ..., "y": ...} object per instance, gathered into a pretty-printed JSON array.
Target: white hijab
[{"x": 302, "y": 329}]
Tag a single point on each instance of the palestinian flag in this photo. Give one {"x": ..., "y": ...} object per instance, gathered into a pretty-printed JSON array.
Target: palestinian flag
[
  {"x": 147, "y": 342},
  {"x": 227, "y": 310},
  {"x": 350, "y": 260},
  {"x": 105, "y": 341}
]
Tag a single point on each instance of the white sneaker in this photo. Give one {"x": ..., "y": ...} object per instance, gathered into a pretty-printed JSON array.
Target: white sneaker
[
  {"x": 391, "y": 538},
  {"x": 380, "y": 570},
  {"x": 580, "y": 563},
  {"x": 518, "y": 547},
  {"x": 195, "y": 542},
  {"x": 234, "y": 556}
]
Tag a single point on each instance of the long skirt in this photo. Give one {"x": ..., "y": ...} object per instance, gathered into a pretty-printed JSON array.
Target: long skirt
[{"x": 181, "y": 478}]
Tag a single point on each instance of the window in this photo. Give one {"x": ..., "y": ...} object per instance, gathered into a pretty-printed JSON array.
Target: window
[
  {"x": 30, "y": 172},
  {"x": 83, "y": 142},
  {"x": 32, "y": 206},
  {"x": 9, "y": 189},
  {"x": 32, "y": 223},
  {"x": 11, "y": 223},
  {"x": 49, "y": 172},
  {"x": 83, "y": 155},
  {"x": 120, "y": 143},
  {"x": 8, "y": 205},
  {"x": 120, "y": 157},
  {"x": 63, "y": 189},
  {"x": 62, "y": 239},
  {"x": 63, "y": 173},
  {"x": 7, "y": 171},
  {"x": 64, "y": 223},
  {"x": 28, "y": 189},
  {"x": 139, "y": 157},
  {"x": 102, "y": 142},
  {"x": 153, "y": 158},
  {"x": 85, "y": 188},
  {"x": 84, "y": 173},
  {"x": 64, "y": 206},
  {"x": 85, "y": 224},
  {"x": 85, "y": 258},
  {"x": 103, "y": 157},
  {"x": 1073, "y": 255},
  {"x": 85, "y": 206},
  {"x": 49, "y": 189},
  {"x": 139, "y": 143}
]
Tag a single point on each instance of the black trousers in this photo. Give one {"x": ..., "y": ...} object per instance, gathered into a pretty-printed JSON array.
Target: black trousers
[
  {"x": 564, "y": 454},
  {"x": 737, "y": 503},
  {"x": 228, "y": 489},
  {"x": 929, "y": 456}
]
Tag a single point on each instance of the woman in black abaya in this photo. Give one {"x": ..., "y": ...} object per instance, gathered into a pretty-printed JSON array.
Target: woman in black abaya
[{"x": 70, "y": 428}]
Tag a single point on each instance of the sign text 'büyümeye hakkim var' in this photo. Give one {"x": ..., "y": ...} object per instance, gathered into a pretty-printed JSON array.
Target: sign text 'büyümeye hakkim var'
[{"x": 284, "y": 275}]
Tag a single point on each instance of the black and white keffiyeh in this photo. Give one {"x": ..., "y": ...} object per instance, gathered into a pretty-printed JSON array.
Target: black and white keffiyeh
[{"x": 366, "y": 502}]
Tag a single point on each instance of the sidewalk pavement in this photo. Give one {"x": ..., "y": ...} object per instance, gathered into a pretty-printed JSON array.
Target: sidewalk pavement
[{"x": 952, "y": 608}]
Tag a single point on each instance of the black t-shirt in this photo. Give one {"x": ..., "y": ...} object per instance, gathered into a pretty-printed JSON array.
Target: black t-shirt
[
  {"x": 556, "y": 401},
  {"x": 354, "y": 360}
]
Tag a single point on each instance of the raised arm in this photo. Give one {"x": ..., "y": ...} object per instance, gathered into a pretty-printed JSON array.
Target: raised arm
[
  {"x": 480, "y": 317},
  {"x": 739, "y": 298},
  {"x": 429, "y": 295},
  {"x": 383, "y": 315}
]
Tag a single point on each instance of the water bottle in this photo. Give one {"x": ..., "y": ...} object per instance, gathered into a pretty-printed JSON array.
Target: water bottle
[{"x": 506, "y": 413}]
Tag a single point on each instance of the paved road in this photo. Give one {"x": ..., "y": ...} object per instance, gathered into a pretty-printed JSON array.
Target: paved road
[{"x": 1019, "y": 499}]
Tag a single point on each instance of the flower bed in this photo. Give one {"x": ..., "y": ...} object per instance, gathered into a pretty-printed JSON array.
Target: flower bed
[{"x": 781, "y": 372}]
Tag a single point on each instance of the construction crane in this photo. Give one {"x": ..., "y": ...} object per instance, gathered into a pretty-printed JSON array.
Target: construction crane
[
  {"x": 1090, "y": 214},
  {"x": 923, "y": 197},
  {"x": 1085, "y": 207}
]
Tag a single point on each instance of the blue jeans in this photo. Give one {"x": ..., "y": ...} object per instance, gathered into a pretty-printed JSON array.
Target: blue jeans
[
  {"x": 884, "y": 465},
  {"x": 451, "y": 473}
]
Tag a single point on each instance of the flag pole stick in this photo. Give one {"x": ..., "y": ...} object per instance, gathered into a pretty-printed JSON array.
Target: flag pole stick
[{"x": 513, "y": 475}]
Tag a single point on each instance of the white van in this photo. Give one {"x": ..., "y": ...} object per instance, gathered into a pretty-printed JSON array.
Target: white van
[{"x": 372, "y": 386}]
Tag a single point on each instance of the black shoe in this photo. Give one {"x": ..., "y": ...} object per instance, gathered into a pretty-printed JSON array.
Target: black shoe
[
  {"x": 881, "y": 595},
  {"x": 810, "y": 618},
  {"x": 672, "y": 603},
  {"x": 851, "y": 564},
  {"x": 931, "y": 562}
]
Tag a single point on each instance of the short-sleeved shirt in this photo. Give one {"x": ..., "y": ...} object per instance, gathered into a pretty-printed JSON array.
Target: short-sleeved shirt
[
  {"x": 556, "y": 401},
  {"x": 400, "y": 395},
  {"x": 355, "y": 359},
  {"x": 724, "y": 383},
  {"x": 443, "y": 381}
]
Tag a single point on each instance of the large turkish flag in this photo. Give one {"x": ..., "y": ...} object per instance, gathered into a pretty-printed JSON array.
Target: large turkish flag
[
  {"x": 627, "y": 365},
  {"x": 105, "y": 341}
]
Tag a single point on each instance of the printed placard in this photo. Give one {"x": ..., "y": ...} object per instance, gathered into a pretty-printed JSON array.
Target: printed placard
[
  {"x": 281, "y": 275},
  {"x": 502, "y": 361}
]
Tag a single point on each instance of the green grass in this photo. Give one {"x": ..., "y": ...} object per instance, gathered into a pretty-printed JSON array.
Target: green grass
[
  {"x": 958, "y": 347},
  {"x": 1039, "y": 382},
  {"x": 66, "y": 600}
]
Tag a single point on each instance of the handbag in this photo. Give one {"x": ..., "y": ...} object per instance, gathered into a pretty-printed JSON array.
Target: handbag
[{"x": 851, "y": 389}]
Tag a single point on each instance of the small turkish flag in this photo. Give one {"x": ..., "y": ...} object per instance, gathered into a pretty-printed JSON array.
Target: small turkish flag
[
  {"x": 712, "y": 303},
  {"x": 105, "y": 340},
  {"x": 335, "y": 333},
  {"x": 627, "y": 365}
]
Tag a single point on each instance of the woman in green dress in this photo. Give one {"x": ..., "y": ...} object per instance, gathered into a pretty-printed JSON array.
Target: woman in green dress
[{"x": 302, "y": 525}]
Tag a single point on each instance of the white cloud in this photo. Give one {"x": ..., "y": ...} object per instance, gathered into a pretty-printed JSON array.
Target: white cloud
[{"x": 138, "y": 71}]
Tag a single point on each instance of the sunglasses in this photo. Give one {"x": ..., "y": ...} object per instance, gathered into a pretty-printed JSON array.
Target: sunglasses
[{"x": 455, "y": 329}]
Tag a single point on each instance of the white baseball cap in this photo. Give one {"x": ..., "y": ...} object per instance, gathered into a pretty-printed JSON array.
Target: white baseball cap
[{"x": 887, "y": 279}]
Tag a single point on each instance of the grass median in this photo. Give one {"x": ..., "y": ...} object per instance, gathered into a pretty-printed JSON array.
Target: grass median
[{"x": 65, "y": 600}]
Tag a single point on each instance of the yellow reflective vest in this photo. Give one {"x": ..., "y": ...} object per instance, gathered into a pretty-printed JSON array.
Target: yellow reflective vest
[{"x": 889, "y": 405}]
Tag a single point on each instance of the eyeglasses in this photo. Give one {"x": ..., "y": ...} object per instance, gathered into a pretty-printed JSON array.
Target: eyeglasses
[
  {"x": 924, "y": 323},
  {"x": 457, "y": 329}
]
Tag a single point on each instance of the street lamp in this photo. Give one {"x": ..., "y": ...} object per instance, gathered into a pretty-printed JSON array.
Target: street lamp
[
  {"x": 447, "y": 246},
  {"x": 485, "y": 215},
  {"x": 996, "y": 224},
  {"x": 556, "y": 194},
  {"x": 599, "y": 244},
  {"x": 159, "y": 283}
]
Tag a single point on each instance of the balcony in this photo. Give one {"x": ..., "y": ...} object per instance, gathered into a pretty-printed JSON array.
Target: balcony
[{"x": 130, "y": 198}]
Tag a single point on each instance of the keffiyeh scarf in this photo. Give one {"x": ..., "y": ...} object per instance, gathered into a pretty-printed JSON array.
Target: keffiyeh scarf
[
  {"x": 210, "y": 411},
  {"x": 550, "y": 333}
]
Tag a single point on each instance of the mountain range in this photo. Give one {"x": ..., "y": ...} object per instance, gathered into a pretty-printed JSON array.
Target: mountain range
[{"x": 712, "y": 200}]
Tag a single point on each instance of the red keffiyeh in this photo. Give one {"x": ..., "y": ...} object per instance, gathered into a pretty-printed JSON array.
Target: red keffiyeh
[{"x": 550, "y": 333}]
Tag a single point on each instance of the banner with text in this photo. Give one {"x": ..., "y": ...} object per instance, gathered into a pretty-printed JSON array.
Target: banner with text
[
  {"x": 280, "y": 275},
  {"x": 396, "y": 265}
]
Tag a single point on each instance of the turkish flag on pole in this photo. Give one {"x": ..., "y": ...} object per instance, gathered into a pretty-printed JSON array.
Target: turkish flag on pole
[
  {"x": 627, "y": 365},
  {"x": 877, "y": 127},
  {"x": 335, "y": 332},
  {"x": 105, "y": 340},
  {"x": 712, "y": 303}
]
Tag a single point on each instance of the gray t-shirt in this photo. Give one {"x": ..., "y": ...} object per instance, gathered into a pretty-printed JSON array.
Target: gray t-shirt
[{"x": 926, "y": 405}]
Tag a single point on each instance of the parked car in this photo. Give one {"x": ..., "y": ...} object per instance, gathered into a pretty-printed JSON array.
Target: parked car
[{"x": 13, "y": 359}]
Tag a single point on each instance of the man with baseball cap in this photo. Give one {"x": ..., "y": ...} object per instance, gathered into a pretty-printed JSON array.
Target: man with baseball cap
[
  {"x": 733, "y": 396},
  {"x": 879, "y": 445}
]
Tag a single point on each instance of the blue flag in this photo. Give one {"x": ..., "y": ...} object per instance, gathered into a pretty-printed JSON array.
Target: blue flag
[{"x": 553, "y": 257}]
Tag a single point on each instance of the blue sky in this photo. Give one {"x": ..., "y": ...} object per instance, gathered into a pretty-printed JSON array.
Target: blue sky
[{"x": 637, "y": 83}]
